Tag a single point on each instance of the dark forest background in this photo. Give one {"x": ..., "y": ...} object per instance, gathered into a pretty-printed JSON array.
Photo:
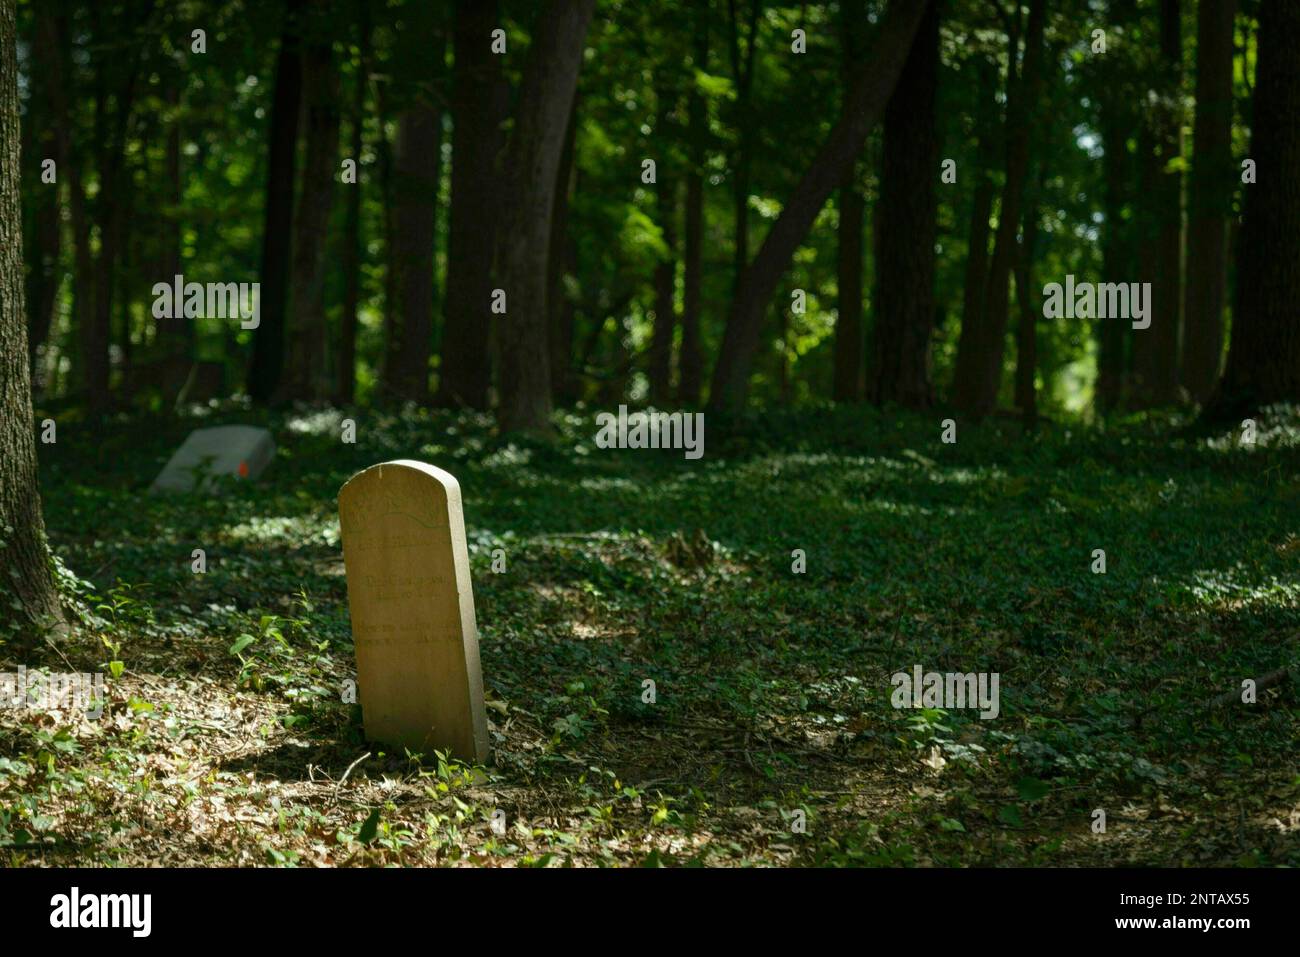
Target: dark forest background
[{"x": 798, "y": 242}]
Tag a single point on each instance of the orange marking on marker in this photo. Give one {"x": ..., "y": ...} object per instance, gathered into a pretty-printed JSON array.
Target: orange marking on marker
[{"x": 243, "y": 470}]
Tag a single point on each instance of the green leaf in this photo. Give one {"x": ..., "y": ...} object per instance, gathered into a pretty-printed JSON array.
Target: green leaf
[
  {"x": 1010, "y": 814},
  {"x": 370, "y": 828},
  {"x": 1032, "y": 789},
  {"x": 242, "y": 642}
]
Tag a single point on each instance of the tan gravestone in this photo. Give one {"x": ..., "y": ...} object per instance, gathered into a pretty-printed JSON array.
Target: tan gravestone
[{"x": 412, "y": 610}]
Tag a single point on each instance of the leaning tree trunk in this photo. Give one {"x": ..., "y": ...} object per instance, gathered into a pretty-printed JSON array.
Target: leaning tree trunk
[
  {"x": 872, "y": 87},
  {"x": 1212, "y": 189},
  {"x": 31, "y": 601},
  {"x": 1264, "y": 357},
  {"x": 267, "y": 364},
  {"x": 905, "y": 230},
  {"x": 532, "y": 162},
  {"x": 308, "y": 376}
]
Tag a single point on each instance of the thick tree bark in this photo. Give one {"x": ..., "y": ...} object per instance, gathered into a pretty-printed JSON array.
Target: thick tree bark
[
  {"x": 1213, "y": 183},
  {"x": 267, "y": 365},
  {"x": 690, "y": 359},
  {"x": 846, "y": 384},
  {"x": 906, "y": 227},
  {"x": 872, "y": 87},
  {"x": 1264, "y": 356},
  {"x": 980, "y": 351},
  {"x": 479, "y": 106},
  {"x": 307, "y": 373},
  {"x": 533, "y": 159},
  {"x": 31, "y": 602},
  {"x": 345, "y": 389}
]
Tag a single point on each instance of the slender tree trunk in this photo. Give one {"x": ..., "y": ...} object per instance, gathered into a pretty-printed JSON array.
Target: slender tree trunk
[
  {"x": 31, "y": 603},
  {"x": 417, "y": 168},
  {"x": 1155, "y": 350},
  {"x": 533, "y": 160},
  {"x": 742, "y": 69},
  {"x": 1212, "y": 187},
  {"x": 1027, "y": 330},
  {"x": 267, "y": 365},
  {"x": 559, "y": 307},
  {"x": 43, "y": 278},
  {"x": 177, "y": 335},
  {"x": 690, "y": 359},
  {"x": 1264, "y": 356},
  {"x": 479, "y": 106},
  {"x": 976, "y": 277},
  {"x": 846, "y": 385},
  {"x": 906, "y": 229},
  {"x": 981, "y": 349},
  {"x": 308, "y": 374},
  {"x": 665, "y": 283},
  {"x": 1117, "y": 120},
  {"x": 351, "y": 243},
  {"x": 60, "y": 83},
  {"x": 872, "y": 87}
]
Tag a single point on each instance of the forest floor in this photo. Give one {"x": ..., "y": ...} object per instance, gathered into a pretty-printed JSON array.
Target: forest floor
[{"x": 771, "y": 739}]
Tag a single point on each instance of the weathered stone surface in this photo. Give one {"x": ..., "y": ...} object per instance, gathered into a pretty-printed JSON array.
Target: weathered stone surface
[
  {"x": 240, "y": 451},
  {"x": 412, "y": 610}
]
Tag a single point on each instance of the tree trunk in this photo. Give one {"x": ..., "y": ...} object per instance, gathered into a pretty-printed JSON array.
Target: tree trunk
[
  {"x": 308, "y": 375},
  {"x": 872, "y": 87},
  {"x": 665, "y": 277},
  {"x": 479, "y": 106},
  {"x": 846, "y": 385},
  {"x": 1212, "y": 188},
  {"x": 1027, "y": 330},
  {"x": 417, "y": 171},
  {"x": 906, "y": 228},
  {"x": 43, "y": 278},
  {"x": 345, "y": 390},
  {"x": 978, "y": 377},
  {"x": 533, "y": 160},
  {"x": 742, "y": 70},
  {"x": 267, "y": 365},
  {"x": 690, "y": 359},
  {"x": 1155, "y": 350},
  {"x": 31, "y": 602},
  {"x": 1264, "y": 357},
  {"x": 560, "y": 261},
  {"x": 1117, "y": 125},
  {"x": 975, "y": 280}
]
